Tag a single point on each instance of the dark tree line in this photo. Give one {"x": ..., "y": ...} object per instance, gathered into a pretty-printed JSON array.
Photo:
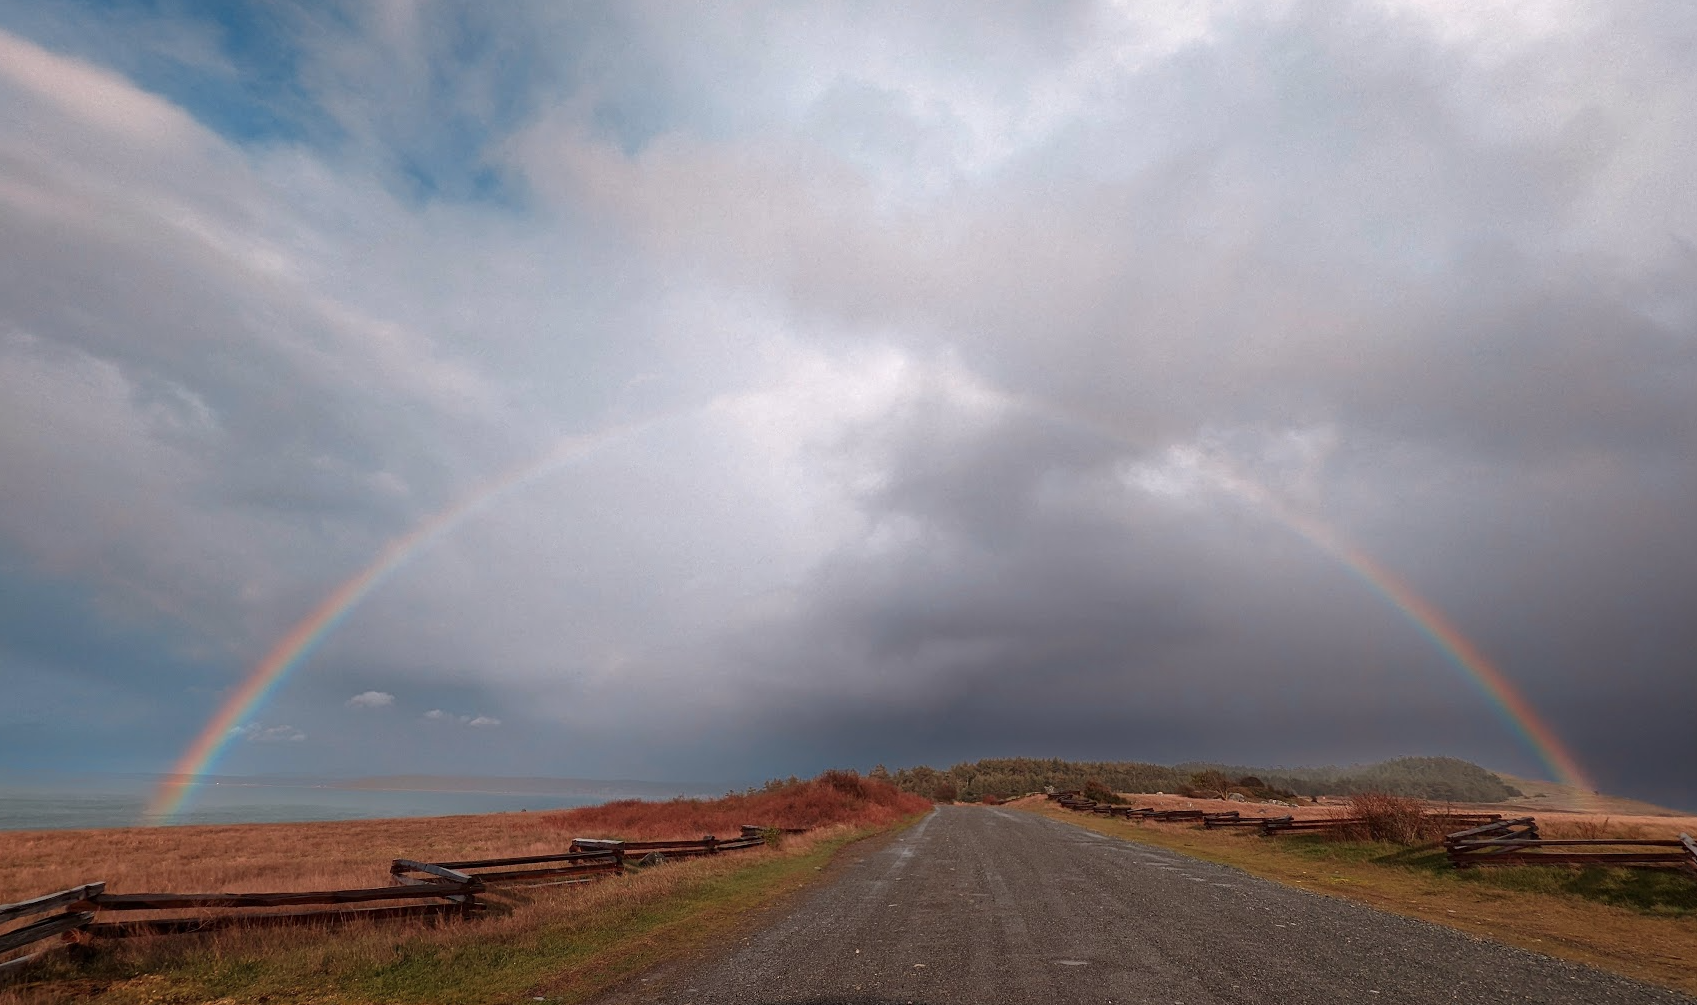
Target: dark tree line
[{"x": 1437, "y": 778}]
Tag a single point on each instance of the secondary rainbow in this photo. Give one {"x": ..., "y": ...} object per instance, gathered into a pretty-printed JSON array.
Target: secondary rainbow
[{"x": 307, "y": 633}]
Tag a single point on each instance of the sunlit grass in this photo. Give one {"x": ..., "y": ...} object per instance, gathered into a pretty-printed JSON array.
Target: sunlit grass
[{"x": 563, "y": 942}]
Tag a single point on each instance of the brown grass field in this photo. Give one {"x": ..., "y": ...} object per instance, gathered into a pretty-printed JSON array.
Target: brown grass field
[
  {"x": 1640, "y": 923},
  {"x": 564, "y": 941}
]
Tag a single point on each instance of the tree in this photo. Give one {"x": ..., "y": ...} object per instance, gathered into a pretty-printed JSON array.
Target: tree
[{"x": 1212, "y": 783}]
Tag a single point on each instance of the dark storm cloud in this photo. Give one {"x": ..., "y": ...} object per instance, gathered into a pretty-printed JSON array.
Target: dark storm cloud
[{"x": 955, "y": 317}]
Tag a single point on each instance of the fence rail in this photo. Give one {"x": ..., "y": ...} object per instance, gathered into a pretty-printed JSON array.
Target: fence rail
[
  {"x": 57, "y": 927},
  {"x": 1517, "y": 842},
  {"x": 646, "y": 851},
  {"x": 417, "y": 890},
  {"x": 1490, "y": 840}
]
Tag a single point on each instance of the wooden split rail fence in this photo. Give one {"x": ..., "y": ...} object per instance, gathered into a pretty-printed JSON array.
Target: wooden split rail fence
[
  {"x": 1487, "y": 840},
  {"x": 417, "y": 890},
  {"x": 1517, "y": 842}
]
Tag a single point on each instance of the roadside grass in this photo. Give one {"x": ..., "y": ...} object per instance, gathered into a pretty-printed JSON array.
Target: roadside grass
[
  {"x": 1640, "y": 923},
  {"x": 563, "y": 943},
  {"x": 1659, "y": 892}
]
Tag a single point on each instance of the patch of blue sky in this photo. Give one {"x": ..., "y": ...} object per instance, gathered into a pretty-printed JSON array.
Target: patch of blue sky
[
  {"x": 482, "y": 81},
  {"x": 233, "y": 66},
  {"x": 241, "y": 70}
]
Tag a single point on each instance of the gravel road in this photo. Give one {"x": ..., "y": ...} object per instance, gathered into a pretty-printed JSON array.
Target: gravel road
[{"x": 986, "y": 905}]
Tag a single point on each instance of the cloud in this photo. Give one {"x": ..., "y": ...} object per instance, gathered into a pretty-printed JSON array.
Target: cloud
[
  {"x": 437, "y": 715},
  {"x": 860, "y": 387},
  {"x": 371, "y": 699},
  {"x": 254, "y": 732}
]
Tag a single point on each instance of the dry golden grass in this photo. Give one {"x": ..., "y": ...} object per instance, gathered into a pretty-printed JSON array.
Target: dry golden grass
[
  {"x": 356, "y": 853},
  {"x": 258, "y": 857},
  {"x": 573, "y": 940}
]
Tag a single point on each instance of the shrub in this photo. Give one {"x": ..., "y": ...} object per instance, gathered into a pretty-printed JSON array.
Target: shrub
[
  {"x": 1391, "y": 818},
  {"x": 1095, "y": 788},
  {"x": 945, "y": 792}
]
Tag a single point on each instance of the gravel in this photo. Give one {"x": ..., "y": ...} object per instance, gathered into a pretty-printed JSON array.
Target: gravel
[{"x": 987, "y": 905}]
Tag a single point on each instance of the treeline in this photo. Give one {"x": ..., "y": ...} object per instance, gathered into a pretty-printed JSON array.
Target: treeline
[
  {"x": 1445, "y": 779},
  {"x": 1439, "y": 778}
]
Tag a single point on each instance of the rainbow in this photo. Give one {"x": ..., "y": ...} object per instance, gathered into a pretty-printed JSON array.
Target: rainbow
[
  {"x": 1439, "y": 629},
  {"x": 1496, "y": 686},
  {"x": 309, "y": 632}
]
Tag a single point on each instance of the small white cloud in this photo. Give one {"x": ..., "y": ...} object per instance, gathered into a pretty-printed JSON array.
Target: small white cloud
[
  {"x": 437, "y": 715},
  {"x": 255, "y": 732},
  {"x": 371, "y": 699}
]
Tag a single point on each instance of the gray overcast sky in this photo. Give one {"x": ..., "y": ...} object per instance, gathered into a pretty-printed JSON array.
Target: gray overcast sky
[{"x": 968, "y": 374}]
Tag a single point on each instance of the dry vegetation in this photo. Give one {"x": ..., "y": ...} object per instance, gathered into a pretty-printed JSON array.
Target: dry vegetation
[
  {"x": 355, "y": 853},
  {"x": 1642, "y": 820},
  {"x": 569, "y": 941}
]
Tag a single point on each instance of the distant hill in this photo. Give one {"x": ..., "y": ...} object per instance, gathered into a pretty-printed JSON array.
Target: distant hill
[
  {"x": 1439, "y": 778},
  {"x": 1446, "y": 779}
]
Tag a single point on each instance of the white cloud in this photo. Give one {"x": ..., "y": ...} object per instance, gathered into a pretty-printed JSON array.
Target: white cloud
[
  {"x": 438, "y": 715},
  {"x": 98, "y": 97},
  {"x": 255, "y": 732},
  {"x": 909, "y": 296}
]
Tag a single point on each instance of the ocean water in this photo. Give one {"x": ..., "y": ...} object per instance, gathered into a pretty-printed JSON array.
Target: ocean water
[{"x": 38, "y": 808}]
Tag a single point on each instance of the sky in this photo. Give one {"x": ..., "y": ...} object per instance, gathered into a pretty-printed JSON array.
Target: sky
[{"x": 786, "y": 386}]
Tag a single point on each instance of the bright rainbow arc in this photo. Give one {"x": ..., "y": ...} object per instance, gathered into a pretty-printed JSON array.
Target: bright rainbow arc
[
  {"x": 1521, "y": 717},
  {"x": 305, "y": 636}
]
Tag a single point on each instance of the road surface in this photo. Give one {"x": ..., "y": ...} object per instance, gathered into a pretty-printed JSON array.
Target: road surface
[{"x": 985, "y": 905}]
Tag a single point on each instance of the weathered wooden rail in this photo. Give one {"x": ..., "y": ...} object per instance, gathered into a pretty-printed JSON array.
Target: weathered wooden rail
[
  {"x": 1268, "y": 826},
  {"x": 417, "y": 890},
  {"x": 1517, "y": 842},
  {"x": 1491, "y": 840},
  {"x": 541, "y": 870},
  {"x": 660, "y": 851},
  {"x": 55, "y": 927}
]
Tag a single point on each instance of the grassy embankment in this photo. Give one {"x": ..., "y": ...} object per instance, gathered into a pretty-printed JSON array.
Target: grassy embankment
[
  {"x": 1641, "y": 923},
  {"x": 562, "y": 943}
]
